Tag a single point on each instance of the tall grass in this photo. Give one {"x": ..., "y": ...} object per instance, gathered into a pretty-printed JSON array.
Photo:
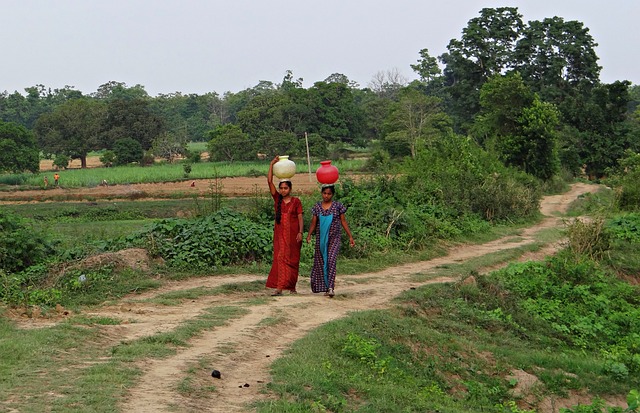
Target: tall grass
[{"x": 161, "y": 172}]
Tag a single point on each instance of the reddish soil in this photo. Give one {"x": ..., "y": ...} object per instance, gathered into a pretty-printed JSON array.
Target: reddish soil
[{"x": 231, "y": 187}]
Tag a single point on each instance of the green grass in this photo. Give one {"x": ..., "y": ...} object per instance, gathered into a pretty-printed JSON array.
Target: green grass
[
  {"x": 438, "y": 349},
  {"x": 83, "y": 234},
  {"x": 428, "y": 354},
  {"x": 165, "y": 344},
  {"x": 625, "y": 259},
  {"x": 113, "y": 286},
  {"x": 176, "y": 297},
  {"x": 444, "y": 347},
  {"x": 94, "y": 321},
  {"x": 80, "y": 373},
  {"x": 471, "y": 266},
  {"x": 102, "y": 210},
  {"x": 602, "y": 201},
  {"x": 549, "y": 235},
  {"x": 57, "y": 359},
  {"x": 82, "y": 225},
  {"x": 161, "y": 172}
]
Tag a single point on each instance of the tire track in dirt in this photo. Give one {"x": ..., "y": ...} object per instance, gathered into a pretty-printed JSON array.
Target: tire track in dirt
[{"x": 255, "y": 344}]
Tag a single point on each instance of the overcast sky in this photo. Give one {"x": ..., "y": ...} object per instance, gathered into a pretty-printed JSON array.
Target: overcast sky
[{"x": 200, "y": 46}]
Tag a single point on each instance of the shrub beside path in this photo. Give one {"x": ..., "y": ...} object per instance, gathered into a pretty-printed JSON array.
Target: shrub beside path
[{"x": 245, "y": 347}]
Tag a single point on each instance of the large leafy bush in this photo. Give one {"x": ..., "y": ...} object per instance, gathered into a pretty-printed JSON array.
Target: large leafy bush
[
  {"x": 21, "y": 245},
  {"x": 626, "y": 180},
  {"x": 625, "y": 227},
  {"x": 455, "y": 172},
  {"x": 450, "y": 189},
  {"x": 222, "y": 238}
]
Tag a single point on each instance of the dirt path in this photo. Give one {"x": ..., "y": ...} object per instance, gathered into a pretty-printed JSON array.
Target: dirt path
[{"x": 244, "y": 348}]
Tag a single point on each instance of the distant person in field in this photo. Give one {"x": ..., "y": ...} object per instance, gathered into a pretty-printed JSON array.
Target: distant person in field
[
  {"x": 287, "y": 236},
  {"x": 327, "y": 222},
  {"x": 46, "y": 181},
  {"x": 56, "y": 178}
]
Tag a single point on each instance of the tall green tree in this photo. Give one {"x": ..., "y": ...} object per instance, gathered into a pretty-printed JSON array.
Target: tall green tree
[
  {"x": 280, "y": 143},
  {"x": 634, "y": 98},
  {"x": 274, "y": 113},
  {"x": 72, "y": 129},
  {"x": 432, "y": 82},
  {"x": 25, "y": 109},
  {"x": 119, "y": 90},
  {"x": 341, "y": 78},
  {"x": 502, "y": 100},
  {"x": 18, "y": 149},
  {"x": 126, "y": 151},
  {"x": 603, "y": 126},
  {"x": 554, "y": 56},
  {"x": 375, "y": 109},
  {"x": 427, "y": 67},
  {"x": 337, "y": 117},
  {"x": 539, "y": 140},
  {"x": 485, "y": 49},
  {"x": 229, "y": 143},
  {"x": 265, "y": 113},
  {"x": 518, "y": 126},
  {"x": 235, "y": 102},
  {"x": 14, "y": 108},
  {"x": 130, "y": 118},
  {"x": 192, "y": 114},
  {"x": 170, "y": 145},
  {"x": 413, "y": 122}
]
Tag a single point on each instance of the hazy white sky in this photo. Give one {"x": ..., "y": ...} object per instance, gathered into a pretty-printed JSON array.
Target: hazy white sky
[{"x": 200, "y": 46}]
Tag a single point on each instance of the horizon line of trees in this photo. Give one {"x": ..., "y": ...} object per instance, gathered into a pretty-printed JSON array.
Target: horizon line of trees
[{"x": 529, "y": 93}]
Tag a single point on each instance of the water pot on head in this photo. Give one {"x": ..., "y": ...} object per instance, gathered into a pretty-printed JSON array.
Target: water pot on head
[
  {"x": 285, "y": 168},
  {"x": 327, "y": 174}
]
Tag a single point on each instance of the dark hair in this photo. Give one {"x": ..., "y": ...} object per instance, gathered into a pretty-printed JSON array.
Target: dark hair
[
  {"x": 279, "y": 205},
  {"x": 331, "y": 187}
]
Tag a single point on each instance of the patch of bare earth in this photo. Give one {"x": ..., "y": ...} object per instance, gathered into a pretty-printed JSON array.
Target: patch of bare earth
[
  {"x": 231, "y": 187},
  {"x": 244, "y": 348},
  {"x": 303, "y": 183}
]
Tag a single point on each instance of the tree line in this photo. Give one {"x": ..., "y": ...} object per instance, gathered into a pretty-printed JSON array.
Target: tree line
[{"x": 528, "y": 92}]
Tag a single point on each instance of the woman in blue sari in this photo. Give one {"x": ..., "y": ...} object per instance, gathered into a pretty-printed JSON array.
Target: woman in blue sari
[{"x": 327, "y": 223}]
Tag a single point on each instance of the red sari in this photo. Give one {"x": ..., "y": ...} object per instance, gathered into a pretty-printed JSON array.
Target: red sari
[{"x": 286, "y": 248}]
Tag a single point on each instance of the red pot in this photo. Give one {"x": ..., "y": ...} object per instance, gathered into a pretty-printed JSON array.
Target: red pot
[{"x": 327, "y": 174}]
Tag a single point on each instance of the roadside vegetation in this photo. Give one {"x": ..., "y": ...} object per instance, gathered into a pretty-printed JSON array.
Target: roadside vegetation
[
  {"x": 570, "y": 321},
  {"x": 460, "y": 156}
]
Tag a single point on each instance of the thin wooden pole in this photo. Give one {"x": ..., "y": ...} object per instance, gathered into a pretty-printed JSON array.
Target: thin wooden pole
[{"x": 306, "y": 140}]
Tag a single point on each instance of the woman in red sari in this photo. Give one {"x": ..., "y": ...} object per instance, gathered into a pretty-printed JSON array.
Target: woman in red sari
[{"x": 287, "y": 236}]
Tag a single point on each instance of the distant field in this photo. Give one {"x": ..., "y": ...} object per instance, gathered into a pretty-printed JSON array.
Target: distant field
[{"x": 92, "y": 176}]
